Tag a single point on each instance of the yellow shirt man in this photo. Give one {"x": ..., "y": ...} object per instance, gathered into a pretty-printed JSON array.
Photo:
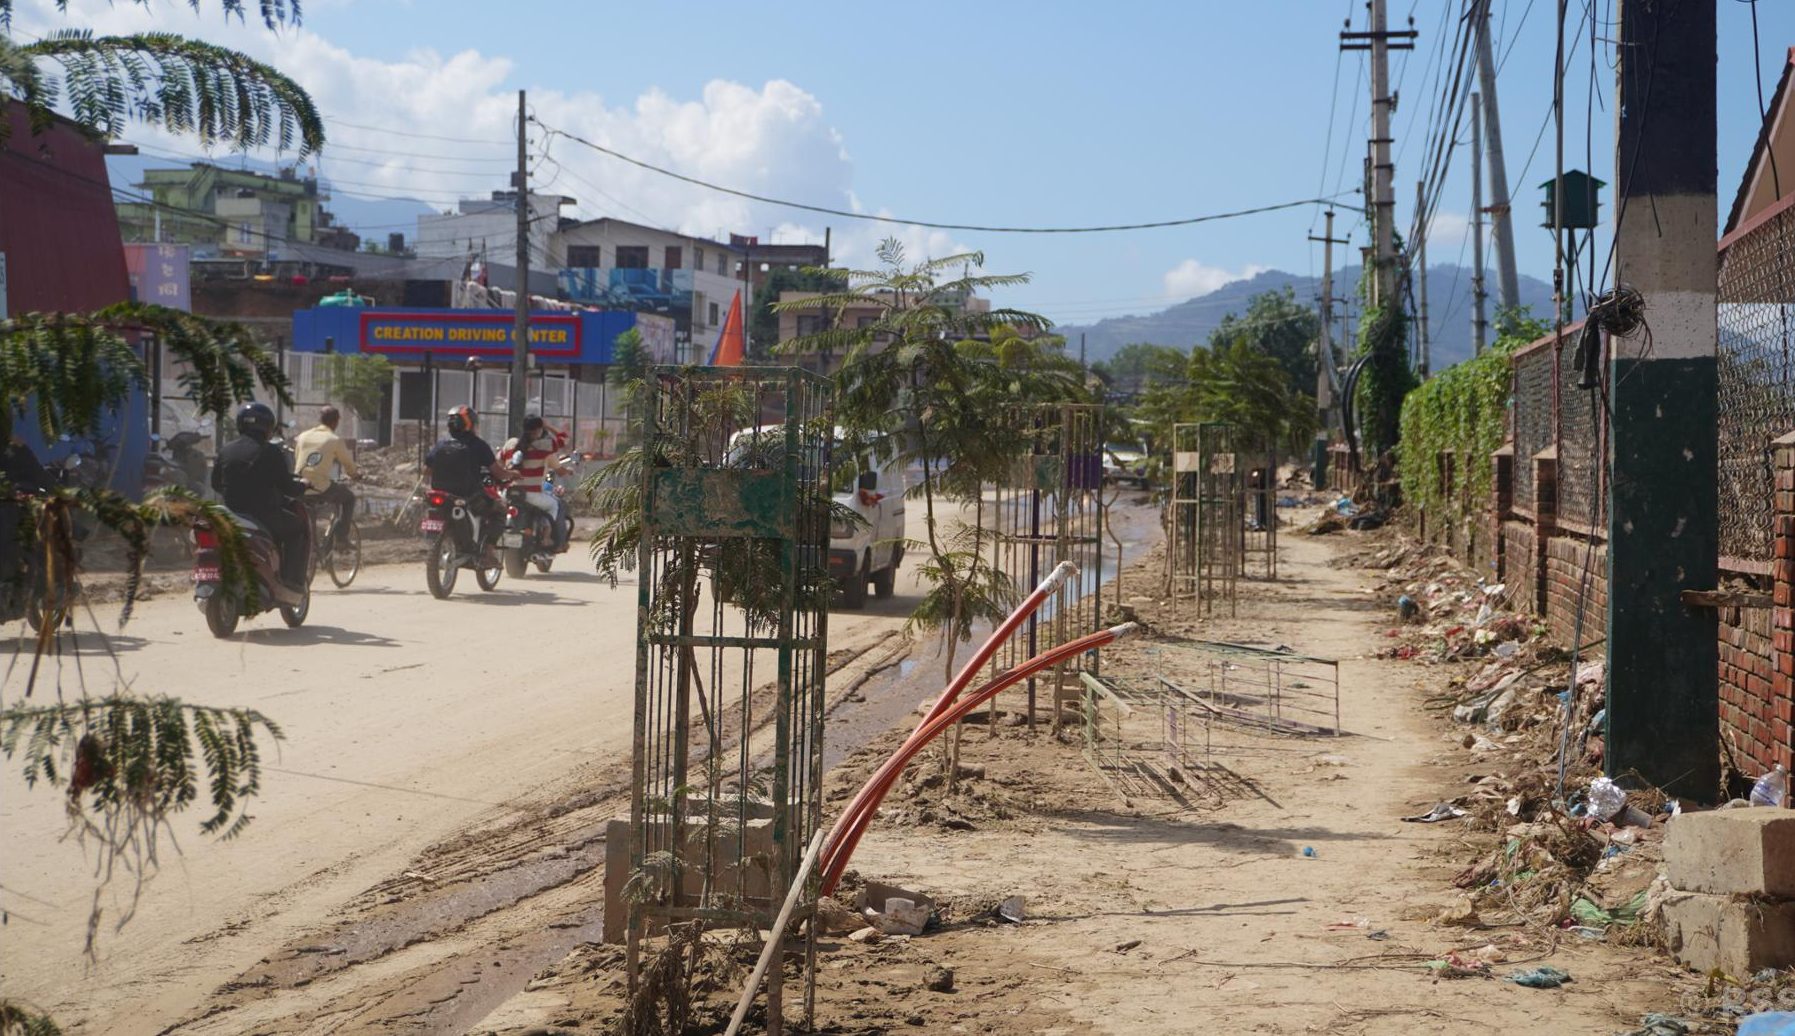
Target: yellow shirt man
[{"x": 323, "y": 443}]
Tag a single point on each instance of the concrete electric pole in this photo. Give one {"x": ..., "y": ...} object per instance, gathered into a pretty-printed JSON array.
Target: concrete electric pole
[
  {"x": 1479, "y": 323},
  {"x": 1324, "y": 349},
  {"x": 1663, "y": 495},
  {"x": 1507, "y": 281},
  {"x": 520, "y": 329},
  {"x": 1421, "y": 231}
]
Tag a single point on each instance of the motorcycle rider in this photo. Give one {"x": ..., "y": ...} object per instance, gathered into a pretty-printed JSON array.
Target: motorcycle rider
[
  {"x": 531, "y": 455},
  {"x": 330, "y": 449},
  {"x": 253, "y": 478},
  {"x": 458, "y": 463}
]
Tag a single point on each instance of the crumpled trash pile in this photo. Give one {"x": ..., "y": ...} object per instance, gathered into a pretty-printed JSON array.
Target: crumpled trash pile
[{"x": 1444, "y": 613}]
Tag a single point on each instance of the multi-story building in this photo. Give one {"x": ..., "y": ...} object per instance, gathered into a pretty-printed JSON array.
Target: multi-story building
[
  {"x": 229, "y": 212},
  {"x": 615, "y": 264},
  {"x": 487, "y": 228}
]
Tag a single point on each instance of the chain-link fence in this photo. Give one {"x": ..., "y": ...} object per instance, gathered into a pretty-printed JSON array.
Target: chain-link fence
[
  {"x": 1533, "y": 419},
  {"x": 1582, "y": 445},
  {"x": 1757, "y": 378}
]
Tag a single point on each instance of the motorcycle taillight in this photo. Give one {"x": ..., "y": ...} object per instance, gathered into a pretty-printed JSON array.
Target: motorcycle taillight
[
  {"x": 511, "y": 512},
  {"x": 205, "y": 539},
  {"x": 437, "y": 499}
]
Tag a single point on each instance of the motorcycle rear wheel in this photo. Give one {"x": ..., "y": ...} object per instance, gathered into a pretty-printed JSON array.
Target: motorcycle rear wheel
[
  {"x": 440, "y": 569},
  {"x": 488, "y": 578},
  {"x": 222, "y": 614},
  {"x": 516, "y": 563}
]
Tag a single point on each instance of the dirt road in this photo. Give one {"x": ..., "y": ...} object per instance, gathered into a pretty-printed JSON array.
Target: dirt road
[{"x": 405, "y": 719}]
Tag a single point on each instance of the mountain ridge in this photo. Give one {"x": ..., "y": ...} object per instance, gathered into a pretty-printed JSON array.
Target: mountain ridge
[{"x": 1190, "y": 322}]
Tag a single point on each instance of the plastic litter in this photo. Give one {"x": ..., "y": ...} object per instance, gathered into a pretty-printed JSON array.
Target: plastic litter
[
  {"x": 1605, "y": 798},
  {"x": 1407, "y": 608},
  {"x": 1659, "y": 1024},
  {"x": 1441, "y": 811},
  {"x": 1772, "y": 789},
  {"x": 1543, "y": 977},
  {"x": 1769, "y": 1023},
  {"x": 1309, "y": 851},
  {"x": 1011, "y": 909}
]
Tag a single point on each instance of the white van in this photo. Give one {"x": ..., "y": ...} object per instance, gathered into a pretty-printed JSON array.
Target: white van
[
  {"x": 862, "y": 553},
  {"x": 868, "y": 551}
]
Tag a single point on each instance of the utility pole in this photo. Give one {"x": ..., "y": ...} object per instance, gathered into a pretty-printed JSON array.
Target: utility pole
[
  {"x": 1324, "y": 351},
  {"x": 1383, "y": 230},
  {"x": 1507, "y": 282},
  {"x": 1478, "y": 323},
  {"x": 520, "y": 329},
  {"x": 1421, "y": 273},
  {"x": 1663, "y": 495}
]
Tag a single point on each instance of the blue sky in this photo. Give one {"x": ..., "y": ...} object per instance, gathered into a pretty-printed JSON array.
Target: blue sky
[{"x": 995, "y": 112}]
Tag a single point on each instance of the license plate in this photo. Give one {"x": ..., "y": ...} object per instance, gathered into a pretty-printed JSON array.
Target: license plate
[
  {"x": 207, "y": 575},
  {"x": 431, "y": 525},
  {"x": 511, "y": 539}
]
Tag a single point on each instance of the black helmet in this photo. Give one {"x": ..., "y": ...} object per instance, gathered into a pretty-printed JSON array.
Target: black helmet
[
  {"x": 255, "y": 419},
  {"x": 461, "y": 420}
]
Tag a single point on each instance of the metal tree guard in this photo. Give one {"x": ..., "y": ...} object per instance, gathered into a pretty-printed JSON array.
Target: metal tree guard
[
  {"x": 734, "y": 534},
  {"x": 1048, "y": 510}
]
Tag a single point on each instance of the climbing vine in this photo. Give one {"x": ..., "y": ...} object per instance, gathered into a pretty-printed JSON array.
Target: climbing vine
[{"x": 1463, "y": 413}]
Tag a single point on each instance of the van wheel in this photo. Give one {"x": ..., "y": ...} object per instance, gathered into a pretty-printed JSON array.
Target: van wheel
[
  {"x": 853, "y": 591},
  {"x": 885, "y": 581}
]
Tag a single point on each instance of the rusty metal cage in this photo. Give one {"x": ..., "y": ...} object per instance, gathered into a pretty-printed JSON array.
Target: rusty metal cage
[
  {"x": 1227, "y": 530},
  {"x": 730, "y": 652},
  {"x": 1181, "y": 512},
  {"x": 1757, "y": 378},
  {"x": 1049, "y": 509}
]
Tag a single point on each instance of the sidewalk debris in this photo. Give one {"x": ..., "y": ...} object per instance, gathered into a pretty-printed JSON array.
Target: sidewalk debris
[
  {"x": 1543, "y": 977},
  {"x": 1441, "y": 811}
]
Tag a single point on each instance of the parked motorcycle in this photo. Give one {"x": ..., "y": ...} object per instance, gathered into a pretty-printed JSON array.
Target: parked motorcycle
[
  {"x": 459, "y": 538},
  {"x": 225, "y": 606},
  {"x": 529, "y": 536},
  {"x": 183, "y": 464}
]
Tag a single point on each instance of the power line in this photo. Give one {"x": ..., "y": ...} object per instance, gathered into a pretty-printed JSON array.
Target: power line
[
  {"x": 934, "y": 225},
  {"x": 418, "y": 136}
]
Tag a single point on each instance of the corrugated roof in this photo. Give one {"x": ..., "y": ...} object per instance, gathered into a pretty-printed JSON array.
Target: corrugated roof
[
  {"x": 57, "y": 227},
  {"x": 1760, "y": 152}
]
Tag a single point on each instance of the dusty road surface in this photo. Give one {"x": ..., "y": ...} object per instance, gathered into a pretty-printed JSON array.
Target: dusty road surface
[
  {"x": 1271, "y": 889},
  {"x": 428, "y": 834},
  {"x": 405, "y": 718}
]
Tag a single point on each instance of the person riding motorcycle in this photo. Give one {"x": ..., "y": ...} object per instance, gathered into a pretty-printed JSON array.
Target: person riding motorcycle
[
  {"x": 460, "y": 463},
  {"x": 531, "y": 455},
  {"x": 253, "y": 478},
  {"x": 330, "y": 450}
]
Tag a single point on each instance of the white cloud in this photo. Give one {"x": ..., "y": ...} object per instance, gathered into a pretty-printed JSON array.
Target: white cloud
[
  {"x": 1446, "y": 233},
  {"x": 1191, "y": 278},
  {"x": 772, "y": 140}
]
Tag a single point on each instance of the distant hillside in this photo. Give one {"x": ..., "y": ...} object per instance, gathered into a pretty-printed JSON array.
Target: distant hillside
[{"x": 1190, "y": 323}]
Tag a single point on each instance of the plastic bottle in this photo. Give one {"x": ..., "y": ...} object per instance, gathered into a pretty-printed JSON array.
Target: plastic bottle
[{"x": 1772, "y": 789}]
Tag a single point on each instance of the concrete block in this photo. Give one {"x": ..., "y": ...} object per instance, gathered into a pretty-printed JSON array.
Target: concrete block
[
  {"x": 1747, "y": 852},
  {"x": 1736, "y": 935}
]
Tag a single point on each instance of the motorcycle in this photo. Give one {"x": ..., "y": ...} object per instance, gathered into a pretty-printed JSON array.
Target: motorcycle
[
  {"x": 183, "y": 465},
  {"x": 529, "y": 536},
  {"x": 458, "y": 538},
  {"x": 225, "y": 606}
]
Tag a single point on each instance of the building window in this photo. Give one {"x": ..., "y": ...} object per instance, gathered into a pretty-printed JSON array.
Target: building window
[
  {"x": 584, "y": 256},
  {"x": 697, "y": 305},
  {"x": 866, "y": 321},
  {"x": 720, "y": 267},
  {"x": 673, "y": 258},
  {"x": 632, "y": 257},
  {"x": 713, "y": 313},
  {"x": 809, "y": 324},
  {"x": 697, "y": 258},
  {"x": 243, "y": 233}
]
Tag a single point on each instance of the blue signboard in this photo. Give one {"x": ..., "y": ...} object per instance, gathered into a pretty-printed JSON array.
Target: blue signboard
[{"x": 411, "y": 334}]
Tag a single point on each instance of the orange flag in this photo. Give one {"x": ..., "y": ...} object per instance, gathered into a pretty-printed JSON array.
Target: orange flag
[{"x": 732, "y": 343}]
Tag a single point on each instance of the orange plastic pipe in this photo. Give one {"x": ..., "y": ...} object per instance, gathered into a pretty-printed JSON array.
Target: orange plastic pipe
[
  {"x": 1030, "y": 604},
  {"x": 872, "y": 794}
]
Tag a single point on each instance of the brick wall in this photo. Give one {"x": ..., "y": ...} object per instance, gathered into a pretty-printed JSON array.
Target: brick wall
[
  {"x": 1566, "y": 560},
  {"x": 1518, "y": 571},
  {"x": 1749, "y": 725}
]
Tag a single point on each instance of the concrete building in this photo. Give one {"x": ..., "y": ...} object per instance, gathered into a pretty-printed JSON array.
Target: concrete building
[
  {"x": 488, "y": 227},
  {"x": 763, "y": 261},
  {"x": 230, "y": 212},
  {"x": 618, "y": 265}
]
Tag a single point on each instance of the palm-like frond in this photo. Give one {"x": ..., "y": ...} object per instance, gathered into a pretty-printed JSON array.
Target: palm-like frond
[
  {"x": 181, "y": 84},
  {"x": 275, "y": 13},
  {"x": 71, "y": 367}
]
